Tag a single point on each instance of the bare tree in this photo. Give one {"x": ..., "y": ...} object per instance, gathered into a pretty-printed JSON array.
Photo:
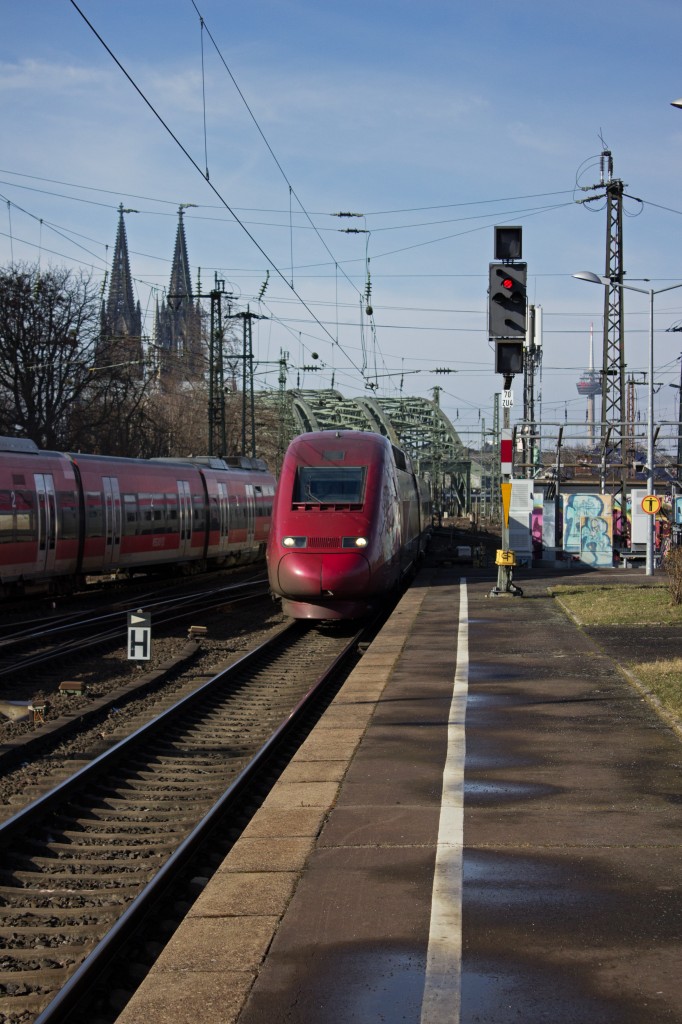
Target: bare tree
[
  {"x": 49, "y": 324},
  {"x": 178, "y": 419},
  {"x": 113, "y": 415}
]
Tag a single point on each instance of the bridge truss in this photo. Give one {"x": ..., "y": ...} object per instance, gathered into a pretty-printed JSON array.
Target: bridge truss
[{"x": 416, "y": 425}]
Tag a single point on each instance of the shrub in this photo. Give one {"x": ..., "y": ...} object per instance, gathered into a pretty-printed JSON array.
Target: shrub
[{"x": 672, "y": 563}]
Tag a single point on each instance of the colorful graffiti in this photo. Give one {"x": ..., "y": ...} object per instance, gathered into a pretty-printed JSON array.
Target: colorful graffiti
[
  {"x": 596, "y": 540},
  {"x": 583, "y": 506}
]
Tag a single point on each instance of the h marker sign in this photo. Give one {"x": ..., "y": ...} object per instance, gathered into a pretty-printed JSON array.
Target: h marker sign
[{"x": 139, "y": 636}]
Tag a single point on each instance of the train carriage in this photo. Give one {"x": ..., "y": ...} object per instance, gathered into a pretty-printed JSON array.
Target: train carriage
[
  {"x": 350, "y": 520},
  {"x": 39, "y": 514},
  {"x": 66, "y": 516}
]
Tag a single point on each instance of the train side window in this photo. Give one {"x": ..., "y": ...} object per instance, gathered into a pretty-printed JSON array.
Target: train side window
[
  {"x": 26, "y": 526},
  {"x": 17, "y": 517},
  {"x": 131, "y": 525},
  {"x": 198, "y": 512},
  {"x": 94, "y": 519},
  {"x": 159, "y": 513},
  {"x": 146, "y": 514},
  {"x": 67, "y": 502},
  {"x": 172, "y": 525},
  {"x": 214, "y": 513},
  {"x": 399, "y": 457},
  {"x": 6, "y": 518}
]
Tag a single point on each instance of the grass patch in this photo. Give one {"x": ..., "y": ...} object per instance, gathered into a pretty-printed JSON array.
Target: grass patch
[
  {"x": 664, "y": 678},
  {"x": 620, "y": 605},
  {"x": 637, "y": 606}
]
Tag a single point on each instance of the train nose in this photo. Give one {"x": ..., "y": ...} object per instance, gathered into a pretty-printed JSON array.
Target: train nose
[{"x": 309, "y": 575}]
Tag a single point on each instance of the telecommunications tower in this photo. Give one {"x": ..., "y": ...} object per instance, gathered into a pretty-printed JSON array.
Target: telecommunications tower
[{"x": 589, "y": 385}]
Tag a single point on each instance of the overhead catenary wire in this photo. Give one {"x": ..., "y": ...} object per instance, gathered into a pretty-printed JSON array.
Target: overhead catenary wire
[
  {"x": 191, "y": 159},
  {"x": 203, "y": 96},
  {"x": 47, "y": 224},
  {"x": 260, "y": 132},
  {"x": 315, "y": 213},
  {"x": 292, "y": 192}
]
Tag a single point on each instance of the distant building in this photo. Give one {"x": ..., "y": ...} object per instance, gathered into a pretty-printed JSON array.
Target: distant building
[
  {"x": 178, "y": 337},
  {"x": 120, "y": 341}
]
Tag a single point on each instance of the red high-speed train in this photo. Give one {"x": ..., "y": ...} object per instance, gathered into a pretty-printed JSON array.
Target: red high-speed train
[
  {"x": 350, "y": 520},
  {"x": 65, "y": 516}
]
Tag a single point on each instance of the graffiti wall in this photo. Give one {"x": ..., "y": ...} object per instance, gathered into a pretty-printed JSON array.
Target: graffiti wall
[{"x": 588, "y": 527}]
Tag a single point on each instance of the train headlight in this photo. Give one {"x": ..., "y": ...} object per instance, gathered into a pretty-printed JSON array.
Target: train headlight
[
  {"x": 294, "y": 542},
  {"x": 354, "y": 542}
]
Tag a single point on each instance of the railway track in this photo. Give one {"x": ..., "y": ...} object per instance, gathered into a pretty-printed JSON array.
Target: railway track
[
  {"x": 38, "y": 643},
  {"x": 83, "y": 863}
]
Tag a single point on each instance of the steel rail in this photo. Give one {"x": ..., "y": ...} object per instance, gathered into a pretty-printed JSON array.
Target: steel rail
[
  {"x": 60, "y": 1008},
  {"x": 175, "y": 610}
]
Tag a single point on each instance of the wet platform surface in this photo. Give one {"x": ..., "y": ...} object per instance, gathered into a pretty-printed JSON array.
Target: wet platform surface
[{"x": 566, "y": 881}]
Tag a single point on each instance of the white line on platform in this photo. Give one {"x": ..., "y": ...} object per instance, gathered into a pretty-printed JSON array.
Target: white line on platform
[{"x": 441, "y": 1001}]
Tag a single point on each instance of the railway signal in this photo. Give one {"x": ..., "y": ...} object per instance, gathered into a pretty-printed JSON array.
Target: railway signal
[
  {"x": 507, "y": 304},
  {"x": 507, "y": 301}
]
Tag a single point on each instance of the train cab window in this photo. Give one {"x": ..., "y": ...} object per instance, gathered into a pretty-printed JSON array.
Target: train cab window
[{"x": 321, "y": 485}]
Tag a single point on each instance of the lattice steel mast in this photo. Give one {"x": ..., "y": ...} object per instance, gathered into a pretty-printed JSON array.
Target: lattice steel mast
[
  {"x": 613, "y": 363},
  {"x": 613, "y": 377}
]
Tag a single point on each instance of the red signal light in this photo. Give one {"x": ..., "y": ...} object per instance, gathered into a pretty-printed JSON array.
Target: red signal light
[{"x": 508, "y": 283}]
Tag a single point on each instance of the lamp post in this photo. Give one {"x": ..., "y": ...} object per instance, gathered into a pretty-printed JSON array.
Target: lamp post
[{"x": 588, "y": 275}]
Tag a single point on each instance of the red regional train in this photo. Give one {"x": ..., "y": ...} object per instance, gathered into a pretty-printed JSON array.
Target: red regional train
[
  {"x": 350, "y": 520},
  {"x": 66, "y": 516}
]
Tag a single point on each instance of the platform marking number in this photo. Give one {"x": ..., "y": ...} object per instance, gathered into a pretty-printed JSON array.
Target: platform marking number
[{"x": 139, "y": 636}]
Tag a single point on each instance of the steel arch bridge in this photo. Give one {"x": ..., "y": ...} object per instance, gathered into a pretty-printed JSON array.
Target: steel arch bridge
[{"x": 417, "y": 425}]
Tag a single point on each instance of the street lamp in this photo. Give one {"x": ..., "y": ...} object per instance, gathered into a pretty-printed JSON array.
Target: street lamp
[
  {"x": 588, "y": 275},
  {"x": 676, "y": 103}
]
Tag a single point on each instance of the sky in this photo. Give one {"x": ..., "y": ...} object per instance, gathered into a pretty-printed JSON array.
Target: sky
[{"x": 433, "y": 120}]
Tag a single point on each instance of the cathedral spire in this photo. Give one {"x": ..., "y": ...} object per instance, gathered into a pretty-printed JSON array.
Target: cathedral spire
[
  {"x": 180, "y": 282},
  {"x": 121, "y": 336},
  {"x": 178, "y": 331},
  {"x": 120, "y": 306}
]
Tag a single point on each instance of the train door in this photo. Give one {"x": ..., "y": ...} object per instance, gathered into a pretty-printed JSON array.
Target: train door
[
  {"x": 185, "y": 517},
  {"x": 112, "y": 520},
  {"x": 224, "y": 515},
  {"x": 47, "y": 522},
  {"x": 250, "y": 515}
]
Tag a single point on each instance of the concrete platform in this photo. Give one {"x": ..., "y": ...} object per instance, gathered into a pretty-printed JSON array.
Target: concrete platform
[{"x": 390, "y": 878}]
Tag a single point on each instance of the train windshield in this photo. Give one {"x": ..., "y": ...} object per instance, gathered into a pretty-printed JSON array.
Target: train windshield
[{"x": 319, "y": 485}]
